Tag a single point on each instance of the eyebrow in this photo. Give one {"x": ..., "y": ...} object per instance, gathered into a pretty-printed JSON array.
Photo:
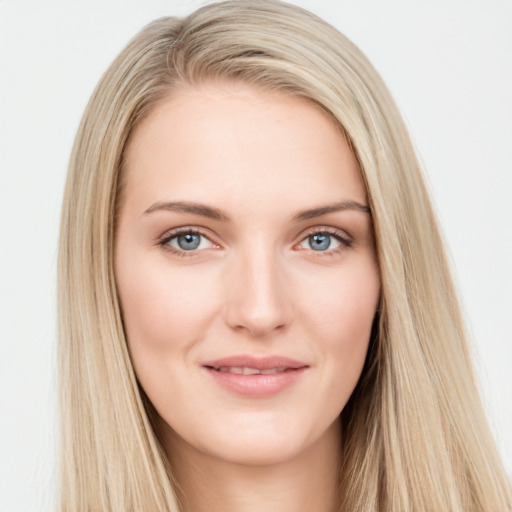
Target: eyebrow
[
  {"x": 216, "y": 214},
  {"x": 336, "y": 207},
  {"x": 187, "y": 207}
]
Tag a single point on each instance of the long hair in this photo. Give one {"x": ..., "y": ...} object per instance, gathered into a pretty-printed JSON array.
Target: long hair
[{"x": 414, "y": 433}]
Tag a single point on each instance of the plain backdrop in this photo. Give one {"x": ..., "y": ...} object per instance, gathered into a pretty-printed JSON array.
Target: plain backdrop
[{"x": 448, "y": 64}]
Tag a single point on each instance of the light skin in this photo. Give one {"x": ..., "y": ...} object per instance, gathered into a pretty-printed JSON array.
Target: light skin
[{"x": 244, "y": 230}]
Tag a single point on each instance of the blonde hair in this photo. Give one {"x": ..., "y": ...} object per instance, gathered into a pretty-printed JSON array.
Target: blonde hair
[{"x": 414, "y": 433}]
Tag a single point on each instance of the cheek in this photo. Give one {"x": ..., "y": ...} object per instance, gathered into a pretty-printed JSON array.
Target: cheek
[
  {"x": 342, "y": 316},
  {"x": 344, "y": 304},
  {"x": 166, "y": 313},
  {"x": 165, "y": 309}
]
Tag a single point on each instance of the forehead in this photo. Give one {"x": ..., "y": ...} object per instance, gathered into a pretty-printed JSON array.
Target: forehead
[{"x": 233, "y": 142}]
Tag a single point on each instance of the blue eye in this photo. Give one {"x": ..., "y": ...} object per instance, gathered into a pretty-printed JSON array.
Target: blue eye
[
  {"x": 322, "y": 241},
  {"x": 189, "y": 241},
  {"x": 319, "y": 242}
]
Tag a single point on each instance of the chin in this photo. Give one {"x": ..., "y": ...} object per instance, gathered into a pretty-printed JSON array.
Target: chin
[
  {"x": 259, "y": 441},
  {"x": 254, "y": 454},
  {"x": 258, "y": 451}
]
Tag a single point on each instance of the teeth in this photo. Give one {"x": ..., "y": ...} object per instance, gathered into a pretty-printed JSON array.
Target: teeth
[
  {"x": 270, "y": 371},
  {"x": 243, "y": 370},
  {"x": 251, "y": 371}
]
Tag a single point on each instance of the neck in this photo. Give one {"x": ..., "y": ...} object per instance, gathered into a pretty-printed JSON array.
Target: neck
[{"x": 310, "y": 481}]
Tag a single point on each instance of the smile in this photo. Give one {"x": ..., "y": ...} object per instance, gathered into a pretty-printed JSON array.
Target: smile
[
  {"x": 255, "y": 377},
  {"x": 244, "y": 370}
]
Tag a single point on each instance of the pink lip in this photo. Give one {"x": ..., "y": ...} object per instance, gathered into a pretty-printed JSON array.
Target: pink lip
[{"x": 258, "y": 385}]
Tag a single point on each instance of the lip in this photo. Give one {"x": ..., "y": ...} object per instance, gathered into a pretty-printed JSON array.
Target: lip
[{"x": 257, "y": 385}]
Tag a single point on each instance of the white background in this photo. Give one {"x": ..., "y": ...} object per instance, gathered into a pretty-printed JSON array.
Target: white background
[{"x": 448, "y": 64}]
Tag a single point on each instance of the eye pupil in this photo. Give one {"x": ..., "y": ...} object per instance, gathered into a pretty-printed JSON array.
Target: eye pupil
[
  {"x": 319, "y": 242},
  {"x": 189, "y": 241}
]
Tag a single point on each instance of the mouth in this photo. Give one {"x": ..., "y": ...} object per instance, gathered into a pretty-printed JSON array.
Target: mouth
[
  {"x": 244, "y": 370},
  {"x": 253, "y": 377}
]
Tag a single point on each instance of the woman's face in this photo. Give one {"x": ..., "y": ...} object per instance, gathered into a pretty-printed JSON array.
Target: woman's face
[{"x": 246, "y": 271}]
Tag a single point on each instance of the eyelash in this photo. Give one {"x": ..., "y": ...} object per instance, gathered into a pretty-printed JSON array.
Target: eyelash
[
  {"x": 345, "y": 241},
  {"x": 167, "y": 237}
]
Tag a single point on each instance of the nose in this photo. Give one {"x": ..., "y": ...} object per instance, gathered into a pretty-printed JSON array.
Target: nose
[{"x": 258, "y": 296}]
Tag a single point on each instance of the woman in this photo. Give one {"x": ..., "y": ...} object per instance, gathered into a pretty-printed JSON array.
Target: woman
[{"x": 256, "y": 310}]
